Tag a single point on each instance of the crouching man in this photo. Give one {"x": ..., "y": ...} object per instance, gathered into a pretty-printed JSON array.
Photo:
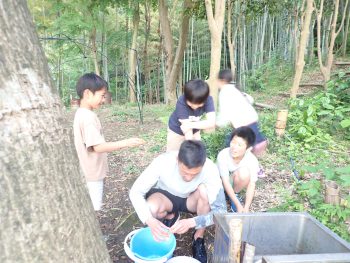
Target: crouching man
[{"x": 183, "y": 181}]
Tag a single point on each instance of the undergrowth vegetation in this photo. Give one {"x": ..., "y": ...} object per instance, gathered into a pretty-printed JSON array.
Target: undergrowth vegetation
[
  {"x": 315, "y": 148},
  {"x": 317, "y": 143}
]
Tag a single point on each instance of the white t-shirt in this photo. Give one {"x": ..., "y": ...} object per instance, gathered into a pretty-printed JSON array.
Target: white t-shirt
[
  {"x": 226, "y": 165},
  {"x": 234, "y": 108},
  {"x": 163, "y": 173}
]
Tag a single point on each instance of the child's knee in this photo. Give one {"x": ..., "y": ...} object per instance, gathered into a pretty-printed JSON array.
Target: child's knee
[{"x": 242, "y": 174}]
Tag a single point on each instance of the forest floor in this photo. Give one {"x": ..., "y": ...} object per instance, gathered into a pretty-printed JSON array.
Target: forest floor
[{"x": 117, "y": 217}]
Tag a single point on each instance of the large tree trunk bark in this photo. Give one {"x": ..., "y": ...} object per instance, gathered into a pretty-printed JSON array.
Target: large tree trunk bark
[
  {"x": 46, "y": 213},
  {"x": 304, "y": 36},
  {"x": 133, "y": 54},
  {"x": 216, "y": 24}
]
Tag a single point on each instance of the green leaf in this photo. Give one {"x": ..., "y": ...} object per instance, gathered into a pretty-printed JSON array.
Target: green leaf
[
  {"x": 328, "y": 106},
  {"x": 329, "y": 173},
  {"x": 343, "y": 170},
  {"x": 345, "y": 123},
  {"x": 345, "y": 179}
]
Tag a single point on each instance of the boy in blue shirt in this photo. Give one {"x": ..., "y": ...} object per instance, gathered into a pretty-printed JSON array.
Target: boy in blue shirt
[{"x": 185, "y": 122}]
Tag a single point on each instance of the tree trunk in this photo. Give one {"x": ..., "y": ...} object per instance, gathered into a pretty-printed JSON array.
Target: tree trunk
[
  {"x": 346, "y": 31},
  {"x": 231, "y": 38},
  {"x": 94, "y": 50},
  {"x": 326, "y": 69},
  {"x": 167, "y": 41},
  {"x": 145, "y": 52},
  {"x": 173, "y": 63},
  {"x": 304, "y": 36},
  {"x": 116, "y": 55},
  {"x": 133, "y": 54},
  {"x": 216, "y": 24},
  {"x": 171, "y": 82},
  {"x": 45, "y": 210}
]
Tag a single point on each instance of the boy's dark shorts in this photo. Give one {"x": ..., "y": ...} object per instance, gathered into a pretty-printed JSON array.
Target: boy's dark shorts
[
  {"x": 259, "y": 136},
  {"x": 179, "y": 203}
]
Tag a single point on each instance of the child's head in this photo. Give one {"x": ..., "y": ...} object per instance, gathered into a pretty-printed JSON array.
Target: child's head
[
  {"x": 241, "y": 140},
  {"x": 225, "y": 75},
  {"x": 196, "y": 92},
  {"x": 92, "y": 88}
]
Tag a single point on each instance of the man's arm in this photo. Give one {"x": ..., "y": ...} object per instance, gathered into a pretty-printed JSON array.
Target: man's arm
[
  {"x": 141, "y": 186},
  {"x": 217, "y": 207}
]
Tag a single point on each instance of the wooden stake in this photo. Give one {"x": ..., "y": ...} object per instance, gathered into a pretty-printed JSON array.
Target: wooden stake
[
  {"x": 281, "y": 122},
  {"x": 235, "y": 240},
  {"x": 249, "y": 253},
  {"x": 332, "y": 193}
]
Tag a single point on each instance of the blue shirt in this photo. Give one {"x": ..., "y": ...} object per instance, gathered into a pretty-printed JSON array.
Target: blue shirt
[{"x": 183, "y": 111}]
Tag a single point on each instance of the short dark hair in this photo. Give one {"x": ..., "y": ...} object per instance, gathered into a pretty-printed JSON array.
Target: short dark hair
[
  {"x": 225, "y": 75},
  {"x": 196, "y": 91},
  {"x": 245, "y": 133},
  {"x": 192, "y": 154},
  {"x": 90, "y": 81}
]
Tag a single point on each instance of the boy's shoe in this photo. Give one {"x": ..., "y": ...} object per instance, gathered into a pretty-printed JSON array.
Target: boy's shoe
[
  {"x": 172, "y": 221},
  {"x": 198, "y": 250},
  {"x": 233, "y": 206}
]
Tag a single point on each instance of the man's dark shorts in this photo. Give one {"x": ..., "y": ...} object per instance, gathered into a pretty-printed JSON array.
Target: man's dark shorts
[{"x": 179, "y": 204}]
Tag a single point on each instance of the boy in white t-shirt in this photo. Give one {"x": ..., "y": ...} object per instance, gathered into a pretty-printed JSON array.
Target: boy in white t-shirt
[
  {"x": 236, "y": 109},
  {"x": 239, "y": 168}
]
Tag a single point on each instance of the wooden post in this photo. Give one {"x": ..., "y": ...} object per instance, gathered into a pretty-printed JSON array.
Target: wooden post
[
  {"x": 235, "y": 240},
  {"x": 249, "y": 252},
  {"x": 332, "y": 193},
  {"x": 281, "y": 122}
]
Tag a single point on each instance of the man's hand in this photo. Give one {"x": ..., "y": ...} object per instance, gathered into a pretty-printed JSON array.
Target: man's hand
[
  {"x": 159, "y": 231},
  {"x": 183, "y": 225}
]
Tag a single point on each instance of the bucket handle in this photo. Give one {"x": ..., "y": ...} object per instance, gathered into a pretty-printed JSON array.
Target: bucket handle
[{"x": 131, "y": 254}]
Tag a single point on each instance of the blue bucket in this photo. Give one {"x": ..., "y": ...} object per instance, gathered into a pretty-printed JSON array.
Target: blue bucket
[{"x": 144, "y": 248}]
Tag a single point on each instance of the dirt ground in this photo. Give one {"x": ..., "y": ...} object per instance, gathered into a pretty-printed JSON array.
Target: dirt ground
[{"x": 118, "y": 218}]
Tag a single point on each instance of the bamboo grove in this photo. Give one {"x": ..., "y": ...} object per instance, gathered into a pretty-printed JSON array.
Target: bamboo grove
[{"x": 147, "y": 50}]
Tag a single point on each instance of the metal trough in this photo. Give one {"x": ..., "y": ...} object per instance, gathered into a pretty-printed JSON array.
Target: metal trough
[{"x": 282, "y": 237}]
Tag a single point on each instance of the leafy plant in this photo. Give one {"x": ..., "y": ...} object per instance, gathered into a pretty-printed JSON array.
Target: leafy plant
[{"x": 215, "y": 142}]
